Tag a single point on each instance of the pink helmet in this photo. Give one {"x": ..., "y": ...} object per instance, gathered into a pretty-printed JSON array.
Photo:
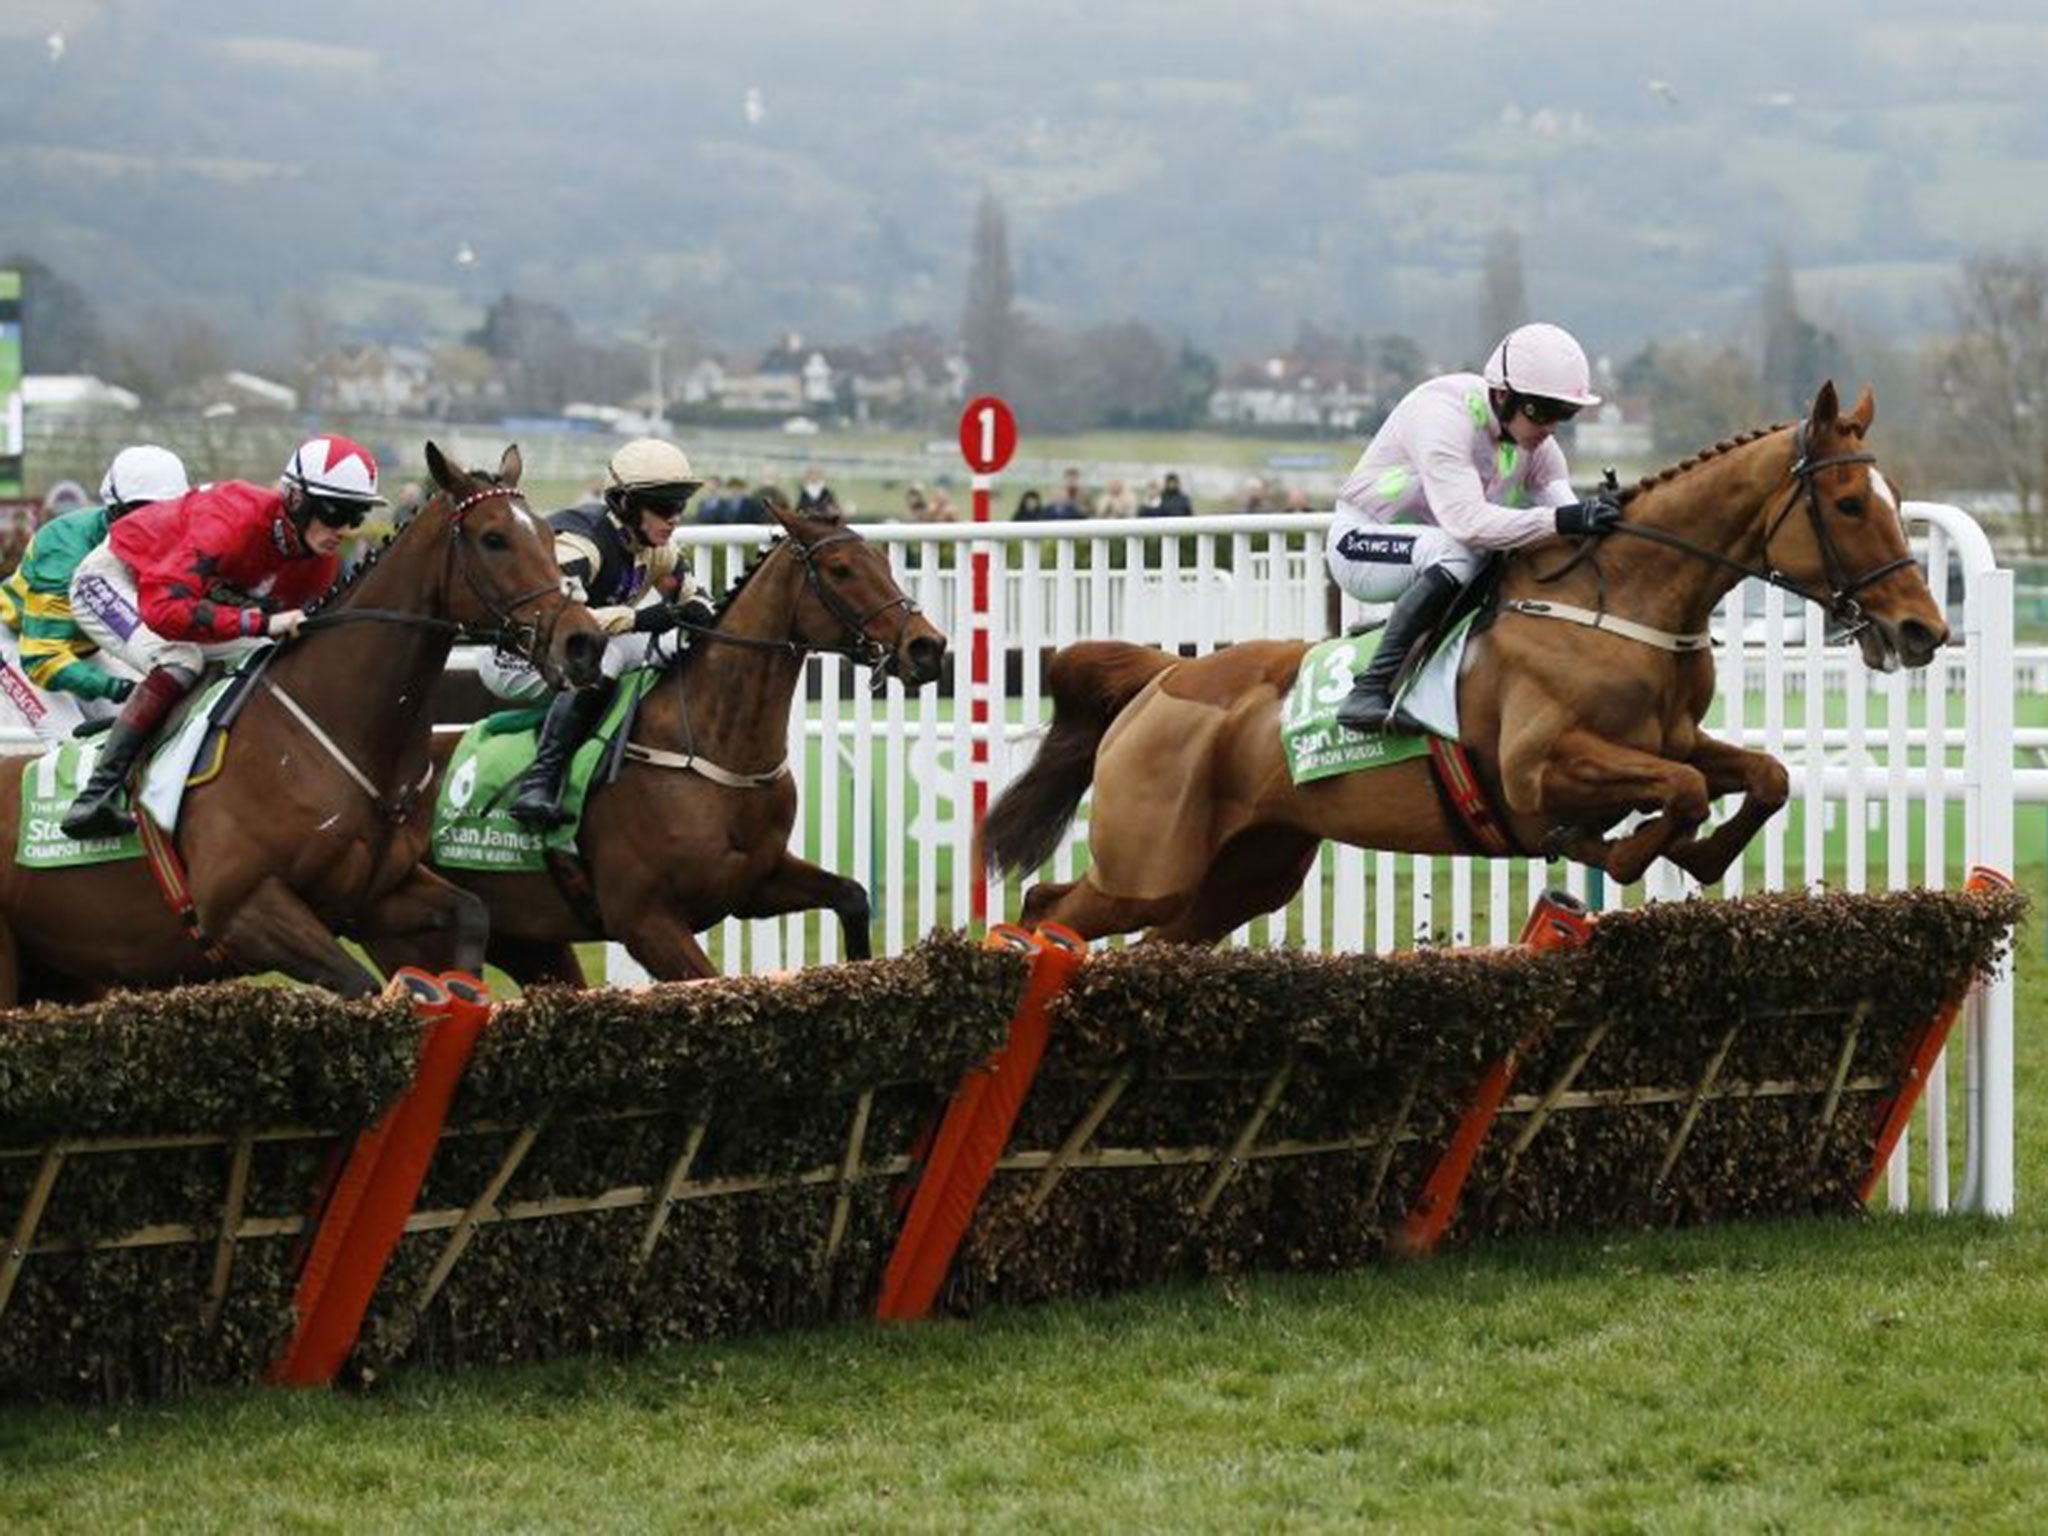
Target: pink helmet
[
  {"x": 335, "y": 468},
  {"x": 1542, "y": 360}
]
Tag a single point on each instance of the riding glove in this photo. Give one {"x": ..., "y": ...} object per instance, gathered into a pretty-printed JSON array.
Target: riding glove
[
  {"x": 661, "y": 618},
  {"x": 1596, "y": 515}
]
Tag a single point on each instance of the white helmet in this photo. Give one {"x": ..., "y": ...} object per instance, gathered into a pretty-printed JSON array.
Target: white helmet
[
  {"x": 1544, "y": 361},
  {"x": 143, "y": 473},
  {"x": 648, "y": 463},
  {"x": 335, "y": 468}
]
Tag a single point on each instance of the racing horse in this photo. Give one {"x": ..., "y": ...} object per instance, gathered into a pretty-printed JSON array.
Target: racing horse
[
  {"x": 315, "y": 824},
  {"x": 1197, "y": 826},
  {"x": 695, "y": 827}
]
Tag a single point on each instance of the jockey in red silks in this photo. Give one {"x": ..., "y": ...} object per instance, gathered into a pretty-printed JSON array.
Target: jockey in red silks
[{"x": 209, "y": 575}]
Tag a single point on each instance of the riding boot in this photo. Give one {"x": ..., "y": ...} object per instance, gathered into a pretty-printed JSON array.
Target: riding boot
[
  {"x": 97, "y": 811},
  {"x": 571, "y": 718},
  {"x": 1370, "y": 705}
]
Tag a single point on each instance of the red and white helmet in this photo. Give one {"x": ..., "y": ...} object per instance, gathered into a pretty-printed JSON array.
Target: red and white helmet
[
  {"x": 1542, "y": 360},
  {"x": 335, "y": 468}
]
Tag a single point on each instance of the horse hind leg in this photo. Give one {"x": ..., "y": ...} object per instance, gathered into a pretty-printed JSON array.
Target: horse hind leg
[
  {"x": 1255, "y": 873},
  {"x": 1094, "y": 913}
]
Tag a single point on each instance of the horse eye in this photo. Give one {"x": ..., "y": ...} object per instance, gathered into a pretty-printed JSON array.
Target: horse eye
[
  {"x": 494, "y": 540},
  {"x": 840, "y": 570},
  {"x": 1851, "y": 506}
]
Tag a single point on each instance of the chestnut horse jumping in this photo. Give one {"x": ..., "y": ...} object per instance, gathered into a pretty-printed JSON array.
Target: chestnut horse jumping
[
  {"x": 696, "y": 826},
  {"x": 1197, "y": 826},
  {"x": 316, "y": 823}
]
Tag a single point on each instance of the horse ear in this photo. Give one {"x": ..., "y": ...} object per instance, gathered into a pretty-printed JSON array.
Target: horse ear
[
  {"x": 510, "y": 465},
  {"x": 1827, "y": 405},
  {"x": 1866, "y": 408},
  {"x": 446, "y": 472}
]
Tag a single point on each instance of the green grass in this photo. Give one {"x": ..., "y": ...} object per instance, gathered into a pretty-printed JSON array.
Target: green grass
[{"x": 1802, "y": 1375}]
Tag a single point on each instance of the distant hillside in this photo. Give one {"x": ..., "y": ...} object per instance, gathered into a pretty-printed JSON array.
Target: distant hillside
[{"x": 270, "y": 168}]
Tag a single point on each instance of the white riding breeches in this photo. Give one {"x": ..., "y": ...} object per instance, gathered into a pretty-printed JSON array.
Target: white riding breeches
[
  {"x": 517, "y": 680},
  {"x": 1377, "y": 564},
  {"x": 104, "y": 603}
]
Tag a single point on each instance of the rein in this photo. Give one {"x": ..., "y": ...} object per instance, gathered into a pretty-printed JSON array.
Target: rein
[
  {"x": 858, "y": 646},
  {"x": 529, "y": 636},
  {"x": 1839, "y": 600}
]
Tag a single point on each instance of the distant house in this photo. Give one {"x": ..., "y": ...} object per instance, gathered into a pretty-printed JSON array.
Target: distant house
[
  {"x": 75, "y": 392},
  {"x": 234, "y": 393},
  {"x": 375, "y": 381},
  {"x": 1285, "y": 391},
  {"x": 1618, "y": 430}
]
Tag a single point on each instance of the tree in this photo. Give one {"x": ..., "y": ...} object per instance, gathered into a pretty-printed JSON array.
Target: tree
[
  {"x": 60, "y": 331},
  {"x": 1698, "y": 395},
  {"x": 1503, "y": 297},
  {"x": 1798, "y": 355},
  {"x": 537, "y": 346},
  {"x": 988, "y": 320},
  {"x": 1994, "y": 379}
]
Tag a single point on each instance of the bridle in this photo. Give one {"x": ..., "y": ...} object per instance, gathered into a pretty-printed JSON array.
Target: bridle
[
  {"x": 1839, "y": 599},
  {"x": 533, "y": 637},
  {"x": 858, "y": 646}
]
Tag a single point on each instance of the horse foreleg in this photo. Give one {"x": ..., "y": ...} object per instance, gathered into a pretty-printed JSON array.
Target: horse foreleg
[
  {"x": 663, "y": 943},
  {"x": 796, "y": 885},
  {"x": 1586, "y": 778},
  {"x": 10, "y": 968},
  {"x": 273, "y": 930},
  {"x": 428, "y": 922},
  {"x": 1728, "y": 768}
]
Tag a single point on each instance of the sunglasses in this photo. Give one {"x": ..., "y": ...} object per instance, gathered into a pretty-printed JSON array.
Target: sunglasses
[
  {"x": 1547, "y": 413},
  {"x": 666, "y": 504}
]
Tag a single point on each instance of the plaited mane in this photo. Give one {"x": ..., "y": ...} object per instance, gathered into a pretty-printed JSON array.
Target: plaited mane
[{"x": 1727, "y": 445}]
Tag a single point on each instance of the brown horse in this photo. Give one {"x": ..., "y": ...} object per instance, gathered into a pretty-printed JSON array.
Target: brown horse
[
  {"x": 1197, "y": 826},
  {"x": 696, "y": 826},
  {"x": 316, "y": 824}
]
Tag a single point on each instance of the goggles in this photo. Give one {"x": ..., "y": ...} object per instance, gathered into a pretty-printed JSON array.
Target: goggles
[
  {"x": 1545, "y": 412},
  {"x": 336, "y": 513}
]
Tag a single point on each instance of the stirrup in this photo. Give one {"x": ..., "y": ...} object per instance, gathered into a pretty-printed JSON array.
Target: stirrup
[{"x": 540, "y": 808}]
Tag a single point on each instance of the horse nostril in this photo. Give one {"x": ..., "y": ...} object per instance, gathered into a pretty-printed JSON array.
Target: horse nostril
[
  {"x": 585, "y": 651},
  {"x": 1921, "y": 640},
  {"x": 926, "y": 653}
]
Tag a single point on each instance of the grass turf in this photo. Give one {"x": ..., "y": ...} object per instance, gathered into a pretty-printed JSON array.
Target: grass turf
[{"x": 1810, "y": 1375}]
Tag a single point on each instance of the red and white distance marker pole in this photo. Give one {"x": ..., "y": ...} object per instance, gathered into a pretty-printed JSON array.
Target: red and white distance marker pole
[{"x": 988, "y": 438}]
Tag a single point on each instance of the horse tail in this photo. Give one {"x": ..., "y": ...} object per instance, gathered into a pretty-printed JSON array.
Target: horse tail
[{"x": 1090, "y": 682}]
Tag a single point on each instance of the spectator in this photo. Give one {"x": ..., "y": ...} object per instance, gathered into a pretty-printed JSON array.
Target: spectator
[
  {"x": 814, "y": 495},
  {"x": 1118, "y": 501},
  {"x": 1255, "y": 501},
  {"x": 725, "y": 503},
  {"x": 1173, "y": 501},
  {"x": 1072, "y": 492},
  {"x": 1297, "y": 500},
  {"x": 1030, "y": 509}
]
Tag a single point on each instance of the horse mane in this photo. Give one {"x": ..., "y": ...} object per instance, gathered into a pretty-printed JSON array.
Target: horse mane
[
  {"x": 1683, "y": 466},
  {"x": 740, "y": 581}
]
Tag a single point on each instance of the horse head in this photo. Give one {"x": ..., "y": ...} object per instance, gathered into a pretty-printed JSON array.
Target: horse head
[
  {"x": 506, "y": 585},
  {"x": 1841, "y": 538},
  {"x": 851, "y": 602}
]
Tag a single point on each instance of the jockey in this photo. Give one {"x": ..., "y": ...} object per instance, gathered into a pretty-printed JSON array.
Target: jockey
[
  {"x": 210, "y": 575},
  {"x": 1467, "y": 462},
  {"x": 612, "y": 556},
  {"x": 41, "y": 643}
]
